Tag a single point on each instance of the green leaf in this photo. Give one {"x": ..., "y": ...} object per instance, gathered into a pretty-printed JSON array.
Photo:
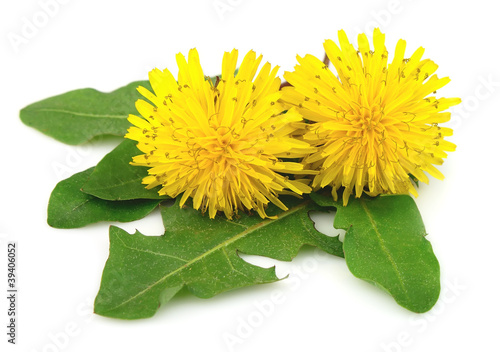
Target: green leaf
[
  {"x": 324, "y": 198},
  {"x": 144, "y": 272},
  {"x": 115, "y": 179},
  {"x": 385, "y": 244},
  {"x": 414, "y": 179},
  {"x": 69, "y": 207},
  {"x": 77, "y": 116}
]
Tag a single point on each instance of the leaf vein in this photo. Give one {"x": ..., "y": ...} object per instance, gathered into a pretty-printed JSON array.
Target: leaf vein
[
  {"x": 384, "y": 248},
  {"x": 151, "y": 252},
  {"x": 80, "y": 205},
  {"x": 231, "y": 263},
  {"x": 83, "y": 113}
]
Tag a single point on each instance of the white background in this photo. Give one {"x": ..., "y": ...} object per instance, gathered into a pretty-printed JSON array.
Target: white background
[{"x": 105, "y": 45}]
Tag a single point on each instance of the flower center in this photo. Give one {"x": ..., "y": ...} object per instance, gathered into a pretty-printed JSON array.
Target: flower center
[{"x": 367, "y": 122}]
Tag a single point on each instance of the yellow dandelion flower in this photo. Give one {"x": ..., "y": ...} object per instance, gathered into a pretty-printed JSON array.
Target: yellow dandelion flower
[
  {"x": 222, "y": 143},
  {"x": 374, "y": 123}
]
